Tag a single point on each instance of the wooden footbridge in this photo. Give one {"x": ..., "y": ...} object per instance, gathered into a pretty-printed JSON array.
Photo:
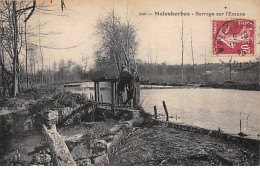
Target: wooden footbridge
[{"x": 110, "y": 97}]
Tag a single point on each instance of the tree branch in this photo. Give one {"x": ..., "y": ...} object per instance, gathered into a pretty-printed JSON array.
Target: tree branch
[{"x": 30, "y": 14}]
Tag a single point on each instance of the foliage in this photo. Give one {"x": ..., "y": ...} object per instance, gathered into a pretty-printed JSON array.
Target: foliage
[
  {"x": 68, "y": 99},
  {"x": 117, "y": 45}
]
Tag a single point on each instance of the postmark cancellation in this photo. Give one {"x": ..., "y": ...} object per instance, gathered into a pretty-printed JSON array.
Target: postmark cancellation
[{"x": 233, "y": 37}]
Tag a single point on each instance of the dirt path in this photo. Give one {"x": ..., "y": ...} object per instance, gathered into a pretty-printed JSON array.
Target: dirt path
[{"x": 161, "y": 145}]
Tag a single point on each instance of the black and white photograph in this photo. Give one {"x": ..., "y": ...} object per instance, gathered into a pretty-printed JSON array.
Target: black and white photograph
[{"x": 129, "y": 83}]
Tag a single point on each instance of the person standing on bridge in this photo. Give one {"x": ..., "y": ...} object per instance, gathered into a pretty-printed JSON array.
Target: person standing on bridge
[
  {"x": 123, "y": 80},
  {"x": 131, "y": 86}
]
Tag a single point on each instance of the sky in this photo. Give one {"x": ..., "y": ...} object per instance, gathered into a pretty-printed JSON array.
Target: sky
[{"x": 161, "y": 35}]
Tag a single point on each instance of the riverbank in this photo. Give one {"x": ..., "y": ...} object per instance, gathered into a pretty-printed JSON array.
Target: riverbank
[
  {"x": 158, "y": 144},
  {"x": 226, "y": 85},
  {"x": 21, "y": 122},
  {"x": 111, "y": 138}
]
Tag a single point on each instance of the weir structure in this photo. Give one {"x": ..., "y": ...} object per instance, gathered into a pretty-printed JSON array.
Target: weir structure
[
  {"x": 105, "y": 96},
  {"x": 106, "y": 92}
]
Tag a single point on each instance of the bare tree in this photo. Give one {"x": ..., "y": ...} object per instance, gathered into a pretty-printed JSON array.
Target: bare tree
[
  {"x": 117, "y": 45},
  {"x": 40, "y": 49},
  {"x": 182, "y": 50},
  {"x": 12, "y": 39},
  {"x": 193, "y": 66},
  {"x": 205, "y": 58},
  {"x": 13, "y": 28},
  {"x": 26, "y": 54}
]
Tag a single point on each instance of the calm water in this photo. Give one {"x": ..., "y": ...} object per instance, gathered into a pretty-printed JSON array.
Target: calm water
[{"x": 208, "y": 108}]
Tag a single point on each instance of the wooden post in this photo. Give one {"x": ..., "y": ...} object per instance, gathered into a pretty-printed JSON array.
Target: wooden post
[
  {"x": 134, "y": 99},
  {"x": 166, "y": 111},
  {"x": 95, "y": 88},
  {"x": 240, "y": 123},
  {"x": 112, "y": 93},
  {"x": 155, "y": 112},
  {"x": 137, "y": 94},
  {"x": 131, "y": 102},
  {"x": 116, "y": 94},
  {"x": 101, "y": 97},
  {"x": 98, "y": 92}
]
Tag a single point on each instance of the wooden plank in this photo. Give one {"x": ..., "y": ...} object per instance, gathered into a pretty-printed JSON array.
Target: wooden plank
[{"x": 114, "y": 106}]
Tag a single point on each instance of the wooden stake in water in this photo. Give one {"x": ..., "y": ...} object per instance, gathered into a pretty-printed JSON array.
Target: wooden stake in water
[
  {"x": 240, "y": 122},
  {"x": 247, "y": 120},
  {"x": 155, "y": 112},
  {"x": 166, "y": 111}
]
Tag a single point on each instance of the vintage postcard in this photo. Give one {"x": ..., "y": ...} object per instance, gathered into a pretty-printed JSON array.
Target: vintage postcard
[{"x": 129, "y": 82}]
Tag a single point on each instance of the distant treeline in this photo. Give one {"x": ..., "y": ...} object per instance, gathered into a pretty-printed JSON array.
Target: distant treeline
[
  {"x": 200, "y": 73},
  {"x": 69, "y": 71},
  {"x": 59, "y": 73}
]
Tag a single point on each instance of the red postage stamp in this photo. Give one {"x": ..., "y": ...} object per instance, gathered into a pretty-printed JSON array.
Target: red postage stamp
[{"x": 233, "y": 37}]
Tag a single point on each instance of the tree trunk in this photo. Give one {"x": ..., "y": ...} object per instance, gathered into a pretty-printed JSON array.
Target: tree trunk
[
  {"x": 182, "y": 46},
  {"x": 15, "y": 51},
  {"x": 26, "y": 55},
  {"x": 205, "y": 67},
  {"x": 41, "y": 52},
  {"x": 192, "y": 55},
  {"x": 2, "y": 62}
]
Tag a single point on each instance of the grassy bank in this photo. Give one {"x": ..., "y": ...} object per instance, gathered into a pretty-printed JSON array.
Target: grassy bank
[
  {"x": 230, "y": 85},
  {"x": 154, "y": 143}
]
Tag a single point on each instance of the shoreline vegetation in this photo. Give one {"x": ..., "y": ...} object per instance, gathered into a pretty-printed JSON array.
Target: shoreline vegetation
[
  {"x": 225, "y": 85},
  {"x": 163, "y": 144}
]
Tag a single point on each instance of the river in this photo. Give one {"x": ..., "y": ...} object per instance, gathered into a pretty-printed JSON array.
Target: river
[
  {"x": 208, "y": 108},
  {"x": 203, "y": 107}
]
